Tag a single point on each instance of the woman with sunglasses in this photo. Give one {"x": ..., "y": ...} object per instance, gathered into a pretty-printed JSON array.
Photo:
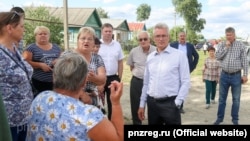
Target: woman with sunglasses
[{"x": 15, "y": 74}]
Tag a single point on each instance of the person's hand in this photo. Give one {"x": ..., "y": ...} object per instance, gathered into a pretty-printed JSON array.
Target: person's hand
[
  {"x": 141, "y": 113},
  {"x": 100, "y": 89},
  {"x": 91, "y": 76},
  {"x": 228, "y": 44},
  {"x": 116, "y": 89},
  {"x": 244, "y": 79},
  {"x": 45, "y": 67},
  {"x": 85, "y": 98}
]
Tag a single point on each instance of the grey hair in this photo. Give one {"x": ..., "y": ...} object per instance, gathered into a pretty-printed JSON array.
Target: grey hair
[
  {"x": 70, "y": 71},
  {"x": 230, "y": 29},
  {"x": 41, "y": 28},
  {"x": 86, "y": 29},
  {"x": 161, "y": 26},
  {"x": 141, "y": 32}
]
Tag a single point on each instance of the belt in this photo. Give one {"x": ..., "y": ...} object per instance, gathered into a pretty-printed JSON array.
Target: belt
[
  {"x": 231, "y": 73},
  {"x": 137, "y": 78},
  {"x": 112, "y": 75},
  {"x": 162, "y": 98}
]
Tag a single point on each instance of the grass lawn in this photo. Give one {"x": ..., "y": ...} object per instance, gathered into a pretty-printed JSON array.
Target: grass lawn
[{"x": 197, "y": 72}]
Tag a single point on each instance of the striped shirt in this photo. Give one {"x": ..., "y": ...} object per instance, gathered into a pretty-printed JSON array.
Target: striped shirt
[
  {"x": 233, "y": 58},
  {"x": 44, "y": 56}
]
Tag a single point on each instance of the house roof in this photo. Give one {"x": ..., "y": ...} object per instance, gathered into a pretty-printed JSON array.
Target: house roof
[
  {"x": 118, "y": 24},
  {"x": 137, "y": 26},
  {"x": 76, "y": 16}
]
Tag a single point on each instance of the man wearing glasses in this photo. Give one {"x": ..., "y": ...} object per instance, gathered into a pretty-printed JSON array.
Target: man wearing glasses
[{"x": 136, "y": 60}]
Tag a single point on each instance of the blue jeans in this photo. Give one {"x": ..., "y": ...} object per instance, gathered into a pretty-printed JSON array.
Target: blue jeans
[{"x": 227, "y": 81}]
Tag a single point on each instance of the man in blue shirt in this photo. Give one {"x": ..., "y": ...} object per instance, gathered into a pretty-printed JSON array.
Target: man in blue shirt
[{"x": 164, "y": 67}]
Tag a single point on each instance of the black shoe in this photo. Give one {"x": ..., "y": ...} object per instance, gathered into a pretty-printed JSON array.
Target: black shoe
[
  {"x": 182, "y": 111},
  {"x": 103, "y": 111},
  {"x": 217, "y": 122},
  {"x": 235, "y": 123}
]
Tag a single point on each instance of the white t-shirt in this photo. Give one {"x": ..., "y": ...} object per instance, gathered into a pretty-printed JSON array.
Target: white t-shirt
[{"x": 205, "y": 47}]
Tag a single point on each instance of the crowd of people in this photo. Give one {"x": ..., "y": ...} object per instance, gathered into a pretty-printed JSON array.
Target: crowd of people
[{"x": 72, "y": 85}]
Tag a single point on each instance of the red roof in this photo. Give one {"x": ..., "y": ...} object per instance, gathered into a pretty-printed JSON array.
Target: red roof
[{"x": 136, "y": 26}]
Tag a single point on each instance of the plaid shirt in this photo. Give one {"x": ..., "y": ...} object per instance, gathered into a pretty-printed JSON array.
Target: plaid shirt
[
  {"x": 233, "y": 58},
  {"x": 211, "y": 70}
]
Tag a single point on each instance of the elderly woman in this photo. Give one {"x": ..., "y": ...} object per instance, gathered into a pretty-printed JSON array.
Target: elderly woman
[
  {"x": 59, "y": 115},
  {"x": 96, "y": 68},
  {"x": 15, "y": 75},
  {"x": 42, "y": 56}
]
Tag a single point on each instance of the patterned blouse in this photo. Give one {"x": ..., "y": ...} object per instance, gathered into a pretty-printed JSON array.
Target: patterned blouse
[
  {"x": 56, "y": 117},
  {"x": 95, "y": 62},
  {"x": 15, "y": 86},
  {"x": 211, "y": 69}
]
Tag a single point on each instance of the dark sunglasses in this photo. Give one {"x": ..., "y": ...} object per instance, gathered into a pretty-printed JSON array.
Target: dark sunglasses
[
  {"x": 14, "y": 15},
  {"x": 143, "y": 39}
]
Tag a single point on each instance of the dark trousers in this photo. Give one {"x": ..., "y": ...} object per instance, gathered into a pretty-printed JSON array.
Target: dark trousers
[
  {"x": 107, "y": 92},
  {"x": 210, "y": 90},
  {"x": 42, "y": 86},
  {"x": 163, "y": 112},
  {"x": 135, "y": 94},
  {"x": 19, "y": 133}
]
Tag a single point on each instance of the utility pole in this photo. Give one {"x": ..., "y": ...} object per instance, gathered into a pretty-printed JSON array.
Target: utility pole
[
  {"x": 65, "y": 23},
  {"x": 175, "y": 34}
]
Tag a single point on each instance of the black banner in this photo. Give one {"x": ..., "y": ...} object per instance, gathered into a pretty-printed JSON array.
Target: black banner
[{"x": 160, "y": 133}]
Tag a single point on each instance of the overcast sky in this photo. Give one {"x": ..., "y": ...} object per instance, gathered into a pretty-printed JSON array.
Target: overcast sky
[{"x": 219, "y": 14}]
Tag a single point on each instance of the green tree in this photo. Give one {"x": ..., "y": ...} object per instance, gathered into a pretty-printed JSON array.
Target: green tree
[
  {"x": 174, "y": 33},
  {"x": 143, "y": 12},
  {"x": 190, "y": 11},
  {"x": 150, "y": 31},
  {"x": 102, "y": 13},
  {"x": 40, "y": 16}
]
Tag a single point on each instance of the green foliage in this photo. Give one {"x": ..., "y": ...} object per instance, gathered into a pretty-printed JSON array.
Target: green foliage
[
  {"x": 143, "y": 12},
  {"x": 40, "y": 16},
  {"x": 174, "y": 33},
  {"x": 102, "y": 13},
  {"x": 199, "y": 67},
  {"x": 190, "y": 11}
]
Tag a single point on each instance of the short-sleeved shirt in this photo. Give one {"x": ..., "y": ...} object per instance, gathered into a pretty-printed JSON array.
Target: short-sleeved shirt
[
  {"x": 111, "y": 53},
  {"x": 15, "y": 86},
  {"x": 137, "y": 58},
  {"x": 57, "y": 117},
  {"x": 212, "y": 69},
  {"x": 95, "y": 62},
  {"x": 44, "y": 56}
]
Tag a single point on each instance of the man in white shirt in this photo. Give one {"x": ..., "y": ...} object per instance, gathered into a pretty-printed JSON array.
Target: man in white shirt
[
  {"x": 166, "y": 81},
  {"x": 112, "y": 55},
  {"x": 205, "y": 46}
]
